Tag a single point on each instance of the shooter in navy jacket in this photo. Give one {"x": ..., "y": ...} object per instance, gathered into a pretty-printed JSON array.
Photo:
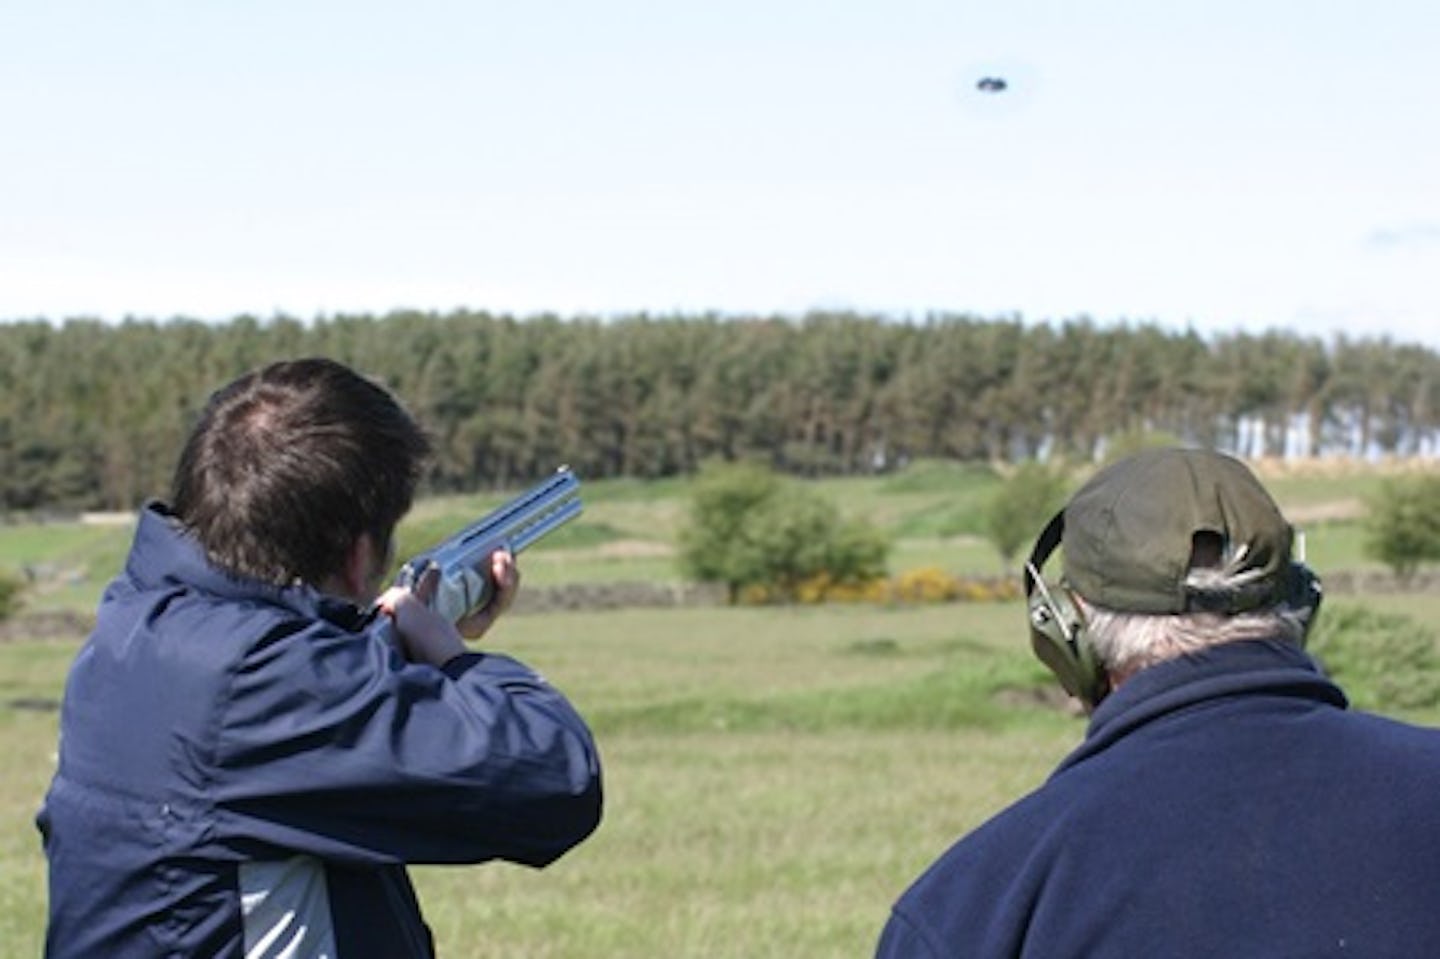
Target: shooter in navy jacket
[
  {"x": 249, "y": 757},
  {"x": 211, "y": 724}
]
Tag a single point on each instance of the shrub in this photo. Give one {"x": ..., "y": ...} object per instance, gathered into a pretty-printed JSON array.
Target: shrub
[
  {"x": 1383, "y": 661},
  {"x": 1018, "y": 510},
  {"x": 10, "y": 590},
  {"x": 715, "y": 545},
  {"x": 1403, "y": 526},
  {"x": 1134, "y": 441},
  {"x": 769, "y": 540},
  {"x": 989, "y": 590},
  {"x": 928, "y": 584}
]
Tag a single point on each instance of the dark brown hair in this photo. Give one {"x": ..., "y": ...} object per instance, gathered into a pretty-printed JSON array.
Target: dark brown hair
[{"x": 290, "y": 464}]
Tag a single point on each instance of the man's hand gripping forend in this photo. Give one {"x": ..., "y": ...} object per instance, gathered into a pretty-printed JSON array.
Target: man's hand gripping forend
[{"x": 463, "y": 561}]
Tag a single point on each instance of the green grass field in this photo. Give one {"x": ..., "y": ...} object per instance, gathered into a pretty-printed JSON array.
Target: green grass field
[{"x": 775, "y": 776}]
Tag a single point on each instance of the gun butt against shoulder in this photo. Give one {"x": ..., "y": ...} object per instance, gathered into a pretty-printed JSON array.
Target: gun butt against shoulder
[{"x": 463, "y": 560}]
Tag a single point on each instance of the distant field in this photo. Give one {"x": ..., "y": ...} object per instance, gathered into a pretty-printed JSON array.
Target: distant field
[{"x": 933, "y": 512}]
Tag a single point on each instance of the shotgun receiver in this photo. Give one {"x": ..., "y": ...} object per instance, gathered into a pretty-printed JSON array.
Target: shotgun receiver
[{"x": 464, "y": 559}]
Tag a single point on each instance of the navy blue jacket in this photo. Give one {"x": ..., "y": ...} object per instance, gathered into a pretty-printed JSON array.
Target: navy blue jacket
[
  {"x": 212, "y": 726},
  {"x": 1225, "y": 804}
]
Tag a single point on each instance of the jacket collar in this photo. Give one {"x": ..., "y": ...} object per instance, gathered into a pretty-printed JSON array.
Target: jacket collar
[
  {"x": 1260, "y": 666},
  {"x": 165, "y": 556}
]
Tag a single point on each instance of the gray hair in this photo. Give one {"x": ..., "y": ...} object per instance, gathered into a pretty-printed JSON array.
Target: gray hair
[{"x": 1126, "y": 642}]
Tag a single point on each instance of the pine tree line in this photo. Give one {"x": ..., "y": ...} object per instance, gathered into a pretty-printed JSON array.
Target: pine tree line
[{"x": 92, "y": 414}]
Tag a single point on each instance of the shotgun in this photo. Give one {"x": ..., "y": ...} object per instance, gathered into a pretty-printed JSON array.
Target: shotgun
[{"x": 464, "y": 559}]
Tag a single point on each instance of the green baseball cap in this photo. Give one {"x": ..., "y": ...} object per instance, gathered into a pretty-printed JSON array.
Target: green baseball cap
[{"x": 1130, "y": 531}]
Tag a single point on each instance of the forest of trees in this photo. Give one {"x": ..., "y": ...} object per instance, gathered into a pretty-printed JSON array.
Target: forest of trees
[{"x": 92, "y": 414}]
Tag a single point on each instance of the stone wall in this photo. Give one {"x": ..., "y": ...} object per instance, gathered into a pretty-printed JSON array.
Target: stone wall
[
  {"x": 580, "y": 596},
  {"x": 1365, "y": 583}
]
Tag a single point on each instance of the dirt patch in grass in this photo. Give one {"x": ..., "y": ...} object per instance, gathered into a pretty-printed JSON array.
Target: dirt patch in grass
[
  {"x": 1043, "y": 697},
  {"x": 47, "y": 625}
]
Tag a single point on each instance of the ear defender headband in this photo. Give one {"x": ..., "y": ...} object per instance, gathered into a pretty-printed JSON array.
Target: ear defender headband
[
  {"x": 1057, "y": 627},
  {"x": 1303, "y": 594}
]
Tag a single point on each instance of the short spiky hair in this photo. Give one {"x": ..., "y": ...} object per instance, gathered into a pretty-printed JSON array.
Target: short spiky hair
[{"x": 290, "y": 464}]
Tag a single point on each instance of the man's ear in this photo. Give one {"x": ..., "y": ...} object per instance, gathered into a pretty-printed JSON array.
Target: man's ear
[{"x": 357, "y": 572}]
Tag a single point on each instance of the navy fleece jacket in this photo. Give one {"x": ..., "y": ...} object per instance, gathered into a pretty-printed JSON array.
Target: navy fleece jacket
[{"x": 1224, "y": 804}]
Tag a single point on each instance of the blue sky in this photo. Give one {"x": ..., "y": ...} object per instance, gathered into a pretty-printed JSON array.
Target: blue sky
[{"x": 1216, "y": 164}]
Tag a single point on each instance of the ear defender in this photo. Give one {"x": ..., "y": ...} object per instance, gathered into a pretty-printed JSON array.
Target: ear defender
[
  {"x": 1057, "y": 627},
  {"x": 1303, "y": 594}
]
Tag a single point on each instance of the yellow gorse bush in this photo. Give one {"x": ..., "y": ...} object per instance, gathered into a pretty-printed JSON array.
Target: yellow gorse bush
[{"x": 928, "y": 584}]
